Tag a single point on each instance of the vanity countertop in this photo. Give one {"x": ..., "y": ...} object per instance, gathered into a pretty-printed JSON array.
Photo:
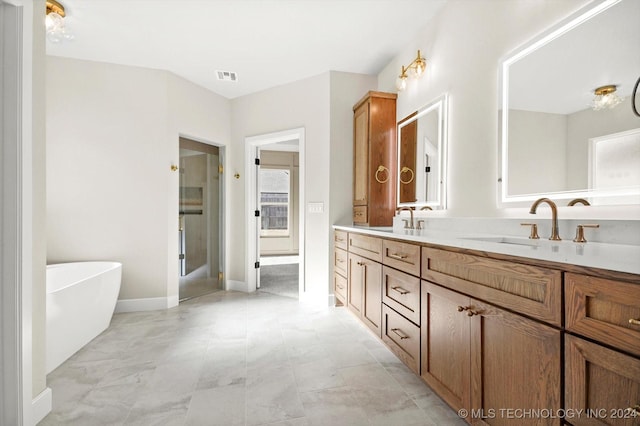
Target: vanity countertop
[{"x": 614, "y": 257}]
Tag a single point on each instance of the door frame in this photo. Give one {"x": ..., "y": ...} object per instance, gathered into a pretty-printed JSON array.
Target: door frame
[
  {"x": 252, "y": 144},
  {"x": 222, "y": 245},
  {"x": 16, "y": 71}
]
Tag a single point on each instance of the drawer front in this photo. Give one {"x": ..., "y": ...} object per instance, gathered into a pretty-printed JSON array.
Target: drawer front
[
  {"x": 402, "y": 256},
  {"x": 604, "y": 310},
  {"x": 603, "y": 382},
  {"x": 340, "y": 261},
  {"x": 360, "y": 214},
  {"x": 340, "y": 239},
  {"x": 401, "y": 292},
  {"x": 366, "y": 246},
  {"x": 530, "y": 290},
  {"x": 340, "y": 288},
  {"x": 402, "y": 337}
]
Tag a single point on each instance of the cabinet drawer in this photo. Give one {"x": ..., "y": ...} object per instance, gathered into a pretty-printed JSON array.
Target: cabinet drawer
[
  {"x": 340, "y": 288},
  {"x": 530, "y": 290},
  {"x": 402, "y": 337},
  {"x": 601, "y": 381},
  {"x": 604, "y": 310},
  {"x": 340, "y": 239},
  {"x": 340, "y": 261},
  {"x": 369, "y": 247},
  {"x": 401, "y": 292},
  {"x": 402, "y": 256},
  {"x": 360, "y": 214}
]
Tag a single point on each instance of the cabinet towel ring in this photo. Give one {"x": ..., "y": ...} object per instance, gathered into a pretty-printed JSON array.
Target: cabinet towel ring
[
  {"x": 382, "y": 168},
  {"x": 406, "y": 169}
]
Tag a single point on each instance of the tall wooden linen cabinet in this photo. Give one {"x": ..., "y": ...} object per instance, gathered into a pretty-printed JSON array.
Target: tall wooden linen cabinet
[{"x": 374, "y": 159}]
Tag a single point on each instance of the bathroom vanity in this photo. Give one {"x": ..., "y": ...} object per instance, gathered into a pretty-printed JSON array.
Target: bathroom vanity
[{"x": 531, "y": 337}]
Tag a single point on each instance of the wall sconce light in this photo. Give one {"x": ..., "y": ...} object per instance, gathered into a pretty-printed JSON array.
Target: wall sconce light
[
  {"x": 54, "y": 22},
  {"x": 418, "y": 65},
  {"x": 605, "y": 97}
]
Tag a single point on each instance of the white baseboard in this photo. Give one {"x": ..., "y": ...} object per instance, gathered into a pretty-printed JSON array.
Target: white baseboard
[
  {"x": 41, "y": 405},
  {"x": 147, "y": 304},
  {"x": 234, "y": 285}
]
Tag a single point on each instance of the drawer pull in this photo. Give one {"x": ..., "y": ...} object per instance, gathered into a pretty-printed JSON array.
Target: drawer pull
[
  {"x": 339, "y": 286},
  {"x": 400, "y": 290},
  {"x": 360, "y": 263},
  {"x": 634, "y": 321},
  {"x": 397, "y": 256},
  {"x": 399, "y": 333},
  {"x": 470, "y": 312},
  {"x": 340, "y": 260},
  {"x": 339, "y": 240}
]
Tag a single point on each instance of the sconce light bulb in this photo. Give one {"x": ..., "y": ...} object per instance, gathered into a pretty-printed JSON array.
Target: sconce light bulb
[
  {"x": 401, "y": 83},
  {"x": 420, "y": 66}
]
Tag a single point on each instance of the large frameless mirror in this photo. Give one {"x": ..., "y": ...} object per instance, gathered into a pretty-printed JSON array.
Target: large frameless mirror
[
  {"x": 568, "y": 129},
  {"x": 422, "y": 154}
]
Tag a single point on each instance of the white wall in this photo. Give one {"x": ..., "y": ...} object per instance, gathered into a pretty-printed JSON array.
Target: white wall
[
  {"x": 307, "y": 103},
  {"x": 463, "y": 47},
  {"x": 112, "y": 135}
]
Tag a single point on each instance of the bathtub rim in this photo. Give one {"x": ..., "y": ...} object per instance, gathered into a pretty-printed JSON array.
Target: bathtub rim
[{"x": 113, "y": 265}]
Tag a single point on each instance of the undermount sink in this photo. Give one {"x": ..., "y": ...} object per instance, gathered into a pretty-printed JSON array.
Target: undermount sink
[{"x": 509, "y": 240}]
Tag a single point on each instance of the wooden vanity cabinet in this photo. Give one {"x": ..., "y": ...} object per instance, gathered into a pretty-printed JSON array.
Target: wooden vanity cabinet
[
  {"x": 340, "y": 262},
  {"x": 602, "y": 381},
  {"x": 374, "y": 159},
  {"x": 364, "y": 296},
  {"x": 485, "y": 359}
]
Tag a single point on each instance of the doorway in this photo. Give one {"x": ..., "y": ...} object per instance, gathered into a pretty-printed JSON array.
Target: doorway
[
  {"x": 279, "y": 201},
  {"x": 199, "y": 210},
  {"x": 285, "y": 141}
]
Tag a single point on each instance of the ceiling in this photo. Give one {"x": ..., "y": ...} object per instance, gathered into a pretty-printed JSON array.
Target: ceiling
[{"x": 266, "y": 42}]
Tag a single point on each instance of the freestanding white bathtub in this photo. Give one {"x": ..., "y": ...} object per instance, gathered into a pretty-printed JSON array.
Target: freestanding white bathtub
[{"x": 81, "y": 298}]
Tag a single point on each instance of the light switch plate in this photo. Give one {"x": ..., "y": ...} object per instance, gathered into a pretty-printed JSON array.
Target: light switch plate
[{"x": 316, "y": 207}]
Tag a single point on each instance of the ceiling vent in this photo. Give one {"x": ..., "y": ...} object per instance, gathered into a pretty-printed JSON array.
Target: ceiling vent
[{"x": 227, "y": 76}]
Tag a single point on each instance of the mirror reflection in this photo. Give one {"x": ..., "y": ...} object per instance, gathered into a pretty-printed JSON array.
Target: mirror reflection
[
  {"x": 558, "y": 139},
  {"x": 421, "y": 156}
]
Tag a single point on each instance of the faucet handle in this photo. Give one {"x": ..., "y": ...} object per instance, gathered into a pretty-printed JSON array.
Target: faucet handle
[
  {"x": 406, "y": 223},
  {"x": 419, "y": 225},
  {"x": 580, "y": 232},
  {"x": 534, "y": 231}
]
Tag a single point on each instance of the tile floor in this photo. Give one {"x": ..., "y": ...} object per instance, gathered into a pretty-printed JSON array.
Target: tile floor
[{"x": 231, "y": 358}]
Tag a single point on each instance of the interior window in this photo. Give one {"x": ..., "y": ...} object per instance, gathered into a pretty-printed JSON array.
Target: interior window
[{"x": 275, "y": 197}]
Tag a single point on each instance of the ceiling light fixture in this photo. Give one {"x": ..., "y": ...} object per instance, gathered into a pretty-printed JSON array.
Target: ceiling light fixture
[
  {"x": 605, "y": 97},
  {"x": 54, "y": 22},
  {"x": 418, "y": 65}
]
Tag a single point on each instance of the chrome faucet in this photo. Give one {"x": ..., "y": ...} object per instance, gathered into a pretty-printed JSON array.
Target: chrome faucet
[
  {"x": 407, "y": 225},
  {"x": 554, "y": 216}
]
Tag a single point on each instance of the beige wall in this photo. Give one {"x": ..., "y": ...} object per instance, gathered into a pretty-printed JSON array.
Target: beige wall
[{"x": 112, "y": 135}]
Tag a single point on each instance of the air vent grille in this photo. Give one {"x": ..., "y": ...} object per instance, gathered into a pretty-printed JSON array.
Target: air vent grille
[{"x": 227, "y": 76}]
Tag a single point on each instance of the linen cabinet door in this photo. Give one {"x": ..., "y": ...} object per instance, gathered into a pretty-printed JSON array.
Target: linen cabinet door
[
  {"x": 515, "y": 365},
  {"x": 445, "y": 344}
]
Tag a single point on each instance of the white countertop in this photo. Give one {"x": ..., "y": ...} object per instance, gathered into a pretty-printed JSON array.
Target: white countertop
[{"x": 614, "y": 257}]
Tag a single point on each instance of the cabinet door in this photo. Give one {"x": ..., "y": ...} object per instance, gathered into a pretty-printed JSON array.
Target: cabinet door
[
  {"x": 355, "y": 283},
  {"x": 372, "y": 295},
  {"x": 445, "y": 344},
  {"x": 603, "y": 383},
  {"x": 361, "y": 155},
  {"x": 515, "y": 364}
]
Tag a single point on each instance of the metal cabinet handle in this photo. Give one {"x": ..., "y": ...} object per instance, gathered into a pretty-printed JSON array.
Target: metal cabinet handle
[
  {"x": 470, "y": 312},
  {"x": 399, "y": 333},
  {"x": 397, "y": 256},
  {"x": 382, "y": 168},
  {"x": 340, "y": 260},
  {"x": 400, "y": 290},
  {"x": 360, "y": 263},
  {"x": 634, "y": 321},
  {"x": 406, "y": 169}
]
